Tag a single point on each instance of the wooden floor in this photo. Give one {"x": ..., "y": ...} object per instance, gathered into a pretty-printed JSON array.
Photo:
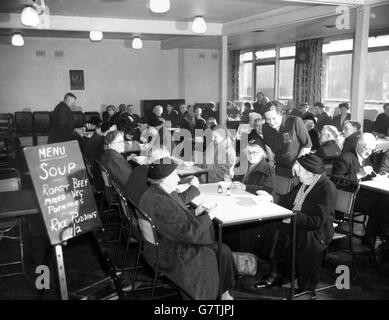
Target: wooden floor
[{"x": 369, "y": 281}]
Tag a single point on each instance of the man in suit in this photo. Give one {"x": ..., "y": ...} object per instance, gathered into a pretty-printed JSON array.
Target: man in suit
[
  {"x": 351, "y": 131},
  {"x": 381, "y": 124},
  {"x": 62, "y": 124},
  {"x": 355, "y": 164},
  {"x": 323, "y": 118},
  {"x": 338, "y": 121},
  {"x": 257, "y": 105}
]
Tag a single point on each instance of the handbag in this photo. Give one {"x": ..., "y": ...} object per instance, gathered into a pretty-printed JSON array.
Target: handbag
[{"x": 245, "y": 263}]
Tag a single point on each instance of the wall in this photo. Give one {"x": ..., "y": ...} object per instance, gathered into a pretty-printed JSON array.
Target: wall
[
  {"x": 201, "y": 75},
  {"x": 114, "y": 73}
]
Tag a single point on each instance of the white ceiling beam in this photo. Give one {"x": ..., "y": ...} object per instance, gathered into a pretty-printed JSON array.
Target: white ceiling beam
[
  {"x": 190, "y": 42},
  {"x": 374, "y": 3},
  {"x": 277, "y": 18},
  {"x": 70, "y": 23}
]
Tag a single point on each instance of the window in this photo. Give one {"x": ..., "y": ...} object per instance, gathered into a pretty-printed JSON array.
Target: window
[
  {"x": 337, "y": 46},
  {"x": 337, "y": 77},
  {"x": 377, "y": 80},
  {"x": 265, "y": 79},
  {"x": 286, "y": 78},
  {"x": 246, "y": 81},
  {"x": 287, "y": 52},
  {"x": 265, "y": 54},
  {"x": 379, "y": 41},
  {"x": 246, "y": 56}
]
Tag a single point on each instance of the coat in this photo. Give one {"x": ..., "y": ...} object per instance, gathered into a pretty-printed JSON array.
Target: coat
[
  {"x": 185, "y": 256},
  {"x": 62, "y": 124},
  {"x": 117, "y": 166},
  {"x": 347, "y": 165},
  {"x": 350, "y": 142},
  {"x": 328, "y": 149},
  {"x": 336, "y": 121},
  {"x": 314, "y": 231},
  {"x": 260, "y": 178}
]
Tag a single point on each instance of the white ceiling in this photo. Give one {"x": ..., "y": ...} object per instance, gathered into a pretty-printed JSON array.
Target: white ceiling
[{"x": 284, "y": 21}]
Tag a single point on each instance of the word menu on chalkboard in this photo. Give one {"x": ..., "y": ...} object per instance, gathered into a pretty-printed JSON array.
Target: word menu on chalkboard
[{"x": 63, "y": 190}]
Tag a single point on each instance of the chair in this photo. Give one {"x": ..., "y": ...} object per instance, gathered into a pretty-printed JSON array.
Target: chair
[
  {"x": 41, "y": 126},
  {"x": 109, "y": 194},
  {"x": 10, "y": 181},
  {"x": 90, "y": 115},
  {"x": 368, "y": 125},
  {"x": 344, "y": 208},
  {"x": 149, "y": 237},
  {"x": 7, "y": 138},
  {"x": 24, "y": 128},
  {"x": 78, "y": 119}
]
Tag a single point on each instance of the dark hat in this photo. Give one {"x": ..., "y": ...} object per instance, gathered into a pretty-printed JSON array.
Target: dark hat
[
  {"x": 161, "y": 168},
  {"x": 94, "y": 120},
  {"x": 344, "y": 105},
  {"x": 310, "y": 117},
  {"x": 319, "y": 104},
  {"x": 312, "y": 163}
]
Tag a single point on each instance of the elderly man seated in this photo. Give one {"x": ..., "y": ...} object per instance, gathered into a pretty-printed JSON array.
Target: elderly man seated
[
  {"x": 313, "y": 200},
  {"x": 328, "y": 143},
  {"x": 355, "y": 163},
  {"x": 188, "y": 250},
  {"x": 351, "y": 131}
]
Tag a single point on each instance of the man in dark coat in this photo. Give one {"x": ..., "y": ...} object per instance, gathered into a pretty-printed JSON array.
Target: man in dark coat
[
  {"x": 313, "y": 200},
  {"x": 338, "y": 120},
  {"x": 323, "y": 118},
  {"x": 113, "y": 160},
  {"x": 62, "y": 124},
  {"x": 381, "y": 124},
  {"x": 187, "y": 247},
  {"x": 351, "y": 131}
]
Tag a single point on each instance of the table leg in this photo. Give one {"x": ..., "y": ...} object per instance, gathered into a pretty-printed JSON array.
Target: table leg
[
  {"x": 293, "y": 255},
  {"x": 220, "y": 242}
]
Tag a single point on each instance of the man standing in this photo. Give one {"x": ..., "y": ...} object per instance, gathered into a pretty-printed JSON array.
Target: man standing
[
  {"x": 62, "y": 124},
  {"x": 323, "y": 118}
]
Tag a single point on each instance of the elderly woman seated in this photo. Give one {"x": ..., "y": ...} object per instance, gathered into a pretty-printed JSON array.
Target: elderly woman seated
[
  {"x": 259, "y": 175},
  {"x": 113, "y": 160},
  {"x": 313, "y": 200},
  {"x": 328, "y": 140},
  {"x": 156, "y": 119},
  {"x": 188, "y": 250}
]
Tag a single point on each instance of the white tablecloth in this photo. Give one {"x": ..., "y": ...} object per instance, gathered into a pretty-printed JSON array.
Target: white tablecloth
[{"x": 240, "y": 206}]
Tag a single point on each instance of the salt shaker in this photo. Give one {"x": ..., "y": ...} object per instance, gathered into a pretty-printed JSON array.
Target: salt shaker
[
  {"x": 228, "y": 192},
  {"x": 219, "y": 189}
]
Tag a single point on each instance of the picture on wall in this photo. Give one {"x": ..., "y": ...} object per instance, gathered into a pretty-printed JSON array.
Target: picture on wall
[{"x": 76, "y": 79}]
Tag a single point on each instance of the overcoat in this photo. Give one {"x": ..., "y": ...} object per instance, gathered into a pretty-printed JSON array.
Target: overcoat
[{"x": 185, "y": 255}]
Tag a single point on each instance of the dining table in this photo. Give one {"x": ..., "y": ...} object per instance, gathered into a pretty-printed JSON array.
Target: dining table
[
  {"x": 239, "y": 207},
  {"x": 382, "y": 144}
]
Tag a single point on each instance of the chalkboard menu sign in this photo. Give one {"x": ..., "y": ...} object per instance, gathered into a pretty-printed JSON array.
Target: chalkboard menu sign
[{"x": 63, "y": 190}]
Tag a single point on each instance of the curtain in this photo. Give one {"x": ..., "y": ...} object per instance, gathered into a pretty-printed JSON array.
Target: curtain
[
  {"x": 307, "y": 71},
  {"x": 234, "y": 74}
]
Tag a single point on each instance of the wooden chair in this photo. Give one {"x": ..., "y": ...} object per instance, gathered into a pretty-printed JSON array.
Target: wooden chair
[
  {"x": 12, "y": 229},
  {"x": 41, "y": 127},
  {"x": 24, "y": 128},
  {"x": 78, "y": 119},
  {"x": 7, "y": 138},
  {"x": 90, "y": 115}
]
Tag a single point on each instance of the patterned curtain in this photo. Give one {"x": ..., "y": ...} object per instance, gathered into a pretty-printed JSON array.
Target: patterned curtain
[
  {"x": 234, "y": 75},
  {"x": 307, "y": 71}
]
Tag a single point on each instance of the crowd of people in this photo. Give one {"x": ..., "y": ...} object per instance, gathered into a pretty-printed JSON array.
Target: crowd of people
[{"x": 295, "y": 143}]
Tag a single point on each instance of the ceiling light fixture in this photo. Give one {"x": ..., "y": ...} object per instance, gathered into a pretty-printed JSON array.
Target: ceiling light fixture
[
  {"x": 30, "y": 17},
  {"x": 137, "y": 43},
  {"x": 96, "y": 35},
  {"x": 159, "y": 6},
  {"x": 17, "y": 40},
  {"x": 199, "y": 25}
]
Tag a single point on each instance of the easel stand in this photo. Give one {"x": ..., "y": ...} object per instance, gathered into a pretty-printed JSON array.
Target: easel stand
[{"x": 104, "y": 260}]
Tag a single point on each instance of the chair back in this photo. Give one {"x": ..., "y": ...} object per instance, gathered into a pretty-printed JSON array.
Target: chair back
[
  {"x": 78, "y": 119},
  {"x": 347, "y": 192},
  {"x": 23, "y": 123},
  {"x": 90, "y": 115},
  {"x": 41, "y": 122},
  {"x": 9, "y": 180},
  {"x": 282, "y": 185},
  {"x": 105, "y": 175},
  {"x": 6, "y": 122}
]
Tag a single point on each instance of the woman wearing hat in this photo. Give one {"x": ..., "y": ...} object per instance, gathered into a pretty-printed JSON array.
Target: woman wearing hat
[
  {"x": 313, "y": 200},
  {"x": 187, "y": 248}
]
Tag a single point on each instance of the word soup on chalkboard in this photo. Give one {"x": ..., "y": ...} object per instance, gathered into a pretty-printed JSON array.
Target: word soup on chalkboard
[{"x": 63, "y": 190}]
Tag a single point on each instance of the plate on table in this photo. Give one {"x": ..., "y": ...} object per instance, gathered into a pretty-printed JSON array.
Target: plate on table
[{"x": 188, "y": 163}]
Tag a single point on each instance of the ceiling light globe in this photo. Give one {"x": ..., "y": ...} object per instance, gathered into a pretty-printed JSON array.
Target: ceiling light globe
[
  {"x": 159, "y": 6},
  {"x": 17, "y": 40},
  {"x": 137, "y": 43},
  {"x": 30, "y": 17},
  {"x": 96, "y": 35},
  {"x": 199, "y": 25}
]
